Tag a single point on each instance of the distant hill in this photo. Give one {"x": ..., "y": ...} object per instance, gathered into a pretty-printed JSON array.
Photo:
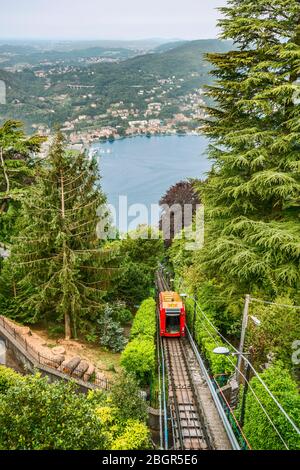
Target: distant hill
[
  {"x": 183, "y": 59},
  {"x": 168, "y": 76},
  {"x": 169, "y": 46}
]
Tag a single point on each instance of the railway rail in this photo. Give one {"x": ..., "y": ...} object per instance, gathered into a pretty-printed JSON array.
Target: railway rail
[
  {"x": 189, "y": 403},
  {"x": 188, "y": 424}
]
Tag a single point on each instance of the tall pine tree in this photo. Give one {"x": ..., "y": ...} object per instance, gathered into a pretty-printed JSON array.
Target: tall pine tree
[
  {"x": 17, "y": 169},
  {"x": 58, "y": 269},
  {"x": 252, "y": 196}
]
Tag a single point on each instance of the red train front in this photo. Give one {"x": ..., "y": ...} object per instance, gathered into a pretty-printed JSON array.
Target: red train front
[{"x": 172, "y": 314}]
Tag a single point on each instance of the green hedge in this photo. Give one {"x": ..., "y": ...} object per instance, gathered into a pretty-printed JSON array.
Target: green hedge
[
  {"x": 207, "y": 339},
  {"x": 136, "y": 436},
  {"x": 139, "y": 358},
  {"x": 144, "y": 323},
  {"x": 257, "y": 427},
  {"x": 139, "y": 354}
]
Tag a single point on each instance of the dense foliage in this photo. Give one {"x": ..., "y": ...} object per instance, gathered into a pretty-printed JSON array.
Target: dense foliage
[
  {"x": 37, "y": 415},
  {"x": 258, "y": 428},
  {"x": 178, "y": 206},
  {"x": 111, "y": 332},
  {"x": 125, "y": 395},
  {"x": 139, "y": 354},
  {"x": 144, "y": 323},
  {"x": 139, "y": 358},
  {"x": 208, "y": 340},
  {"x": 17, "y": 163},
  {"x": 140, "y": 252},
  {"x": 58, "y": 268},
  {"x": 279, "y": 328},
  {"x": 252, "y": 193}
]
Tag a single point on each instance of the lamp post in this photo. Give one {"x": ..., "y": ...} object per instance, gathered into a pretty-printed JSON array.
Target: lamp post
[{"x": 242, "y": 338}]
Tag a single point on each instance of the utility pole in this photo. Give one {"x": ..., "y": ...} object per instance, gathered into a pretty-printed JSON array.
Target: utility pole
[
  {"x": 242, "y": 339},
  {"x": 246, "y": 387}
]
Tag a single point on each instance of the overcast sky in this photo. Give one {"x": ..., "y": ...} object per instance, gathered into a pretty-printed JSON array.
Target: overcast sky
[{"x": 108, "y": 19}]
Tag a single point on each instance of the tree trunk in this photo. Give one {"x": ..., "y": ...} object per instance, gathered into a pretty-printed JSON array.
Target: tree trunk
[{"x": 68, "y": 331}]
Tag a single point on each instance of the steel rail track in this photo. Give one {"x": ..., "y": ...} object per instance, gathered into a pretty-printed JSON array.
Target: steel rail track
[{"x": 189, "y": 431}]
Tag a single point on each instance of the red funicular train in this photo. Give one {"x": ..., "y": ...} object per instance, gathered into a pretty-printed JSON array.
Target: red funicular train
[{"x": 171, "y": 314}]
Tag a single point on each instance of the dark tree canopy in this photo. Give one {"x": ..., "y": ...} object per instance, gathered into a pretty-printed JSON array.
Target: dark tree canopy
[{"x": 174, "y": 218}]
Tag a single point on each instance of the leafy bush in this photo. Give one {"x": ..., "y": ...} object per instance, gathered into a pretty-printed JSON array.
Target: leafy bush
[
  {"x": 124, "y": 416},
  {"x": 92, "y": 335},
  {"x": 139, "y": 358},
  {"x": 279, "y": 328},
  {"x": 136, "y": 436},
  {"x": 139, "y": 355},
  {"x": 125, "y": 394},
  {"x": 121, "y": 314},
  {"x": 208, "y": 340},
  {"x": 257, "y": 427},
  {"x": 39, "y": 416},
  {"x": 136, "y": 282},
  {"x": 111, "y": 333},
  {"x": 8, "y": 378},
  {"x": 144, "y": 323}
]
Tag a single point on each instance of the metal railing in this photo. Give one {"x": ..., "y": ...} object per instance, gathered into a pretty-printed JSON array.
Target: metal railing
[
  {"x": 238, "y": 431},
  {"x": 227, "y": 425},
  {"x": 38, "y": 359}
]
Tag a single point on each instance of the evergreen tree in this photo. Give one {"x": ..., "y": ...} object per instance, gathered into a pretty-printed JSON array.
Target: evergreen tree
[
  {"x": 58, "y": 268},
  {"x": 16, "y": 171},
  {"x": 252, "y": 196}
]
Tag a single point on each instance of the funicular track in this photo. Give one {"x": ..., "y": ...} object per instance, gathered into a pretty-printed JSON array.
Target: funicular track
[{"x": 188, "y": 424}]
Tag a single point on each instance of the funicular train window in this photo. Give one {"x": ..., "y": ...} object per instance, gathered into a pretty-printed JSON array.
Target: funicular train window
[{"x": 172, "y": 321}]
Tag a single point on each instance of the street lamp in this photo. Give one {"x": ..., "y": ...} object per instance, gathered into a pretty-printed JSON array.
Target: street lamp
[{"x": 221, "y": 350}]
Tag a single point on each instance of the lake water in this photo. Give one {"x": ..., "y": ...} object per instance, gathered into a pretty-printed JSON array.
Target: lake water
[
  {"x": 143, "y": 169},
  {"x": 2, "y": 352}
]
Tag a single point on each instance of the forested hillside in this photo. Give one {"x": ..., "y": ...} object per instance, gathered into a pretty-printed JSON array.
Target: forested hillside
[{"x": 32, "y": 92}]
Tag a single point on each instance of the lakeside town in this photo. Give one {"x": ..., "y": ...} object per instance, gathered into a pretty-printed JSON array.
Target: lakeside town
[
  {"x": 131, "y": 122},
  {"x": 149, "y": 94}
]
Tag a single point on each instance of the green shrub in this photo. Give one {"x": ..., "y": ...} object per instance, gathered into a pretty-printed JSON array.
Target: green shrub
[
  {"x": 257, "y": 427},
  {"x": 126, "y": 396},
  {"x": 279, "y": 328},
  {"x": 122, "y": 314},
  {"x": 36, "y": 415},
  {"x": 139, "y": 358},
  {"x": 208, "y": 340},
  {"x": 144, "y": 323},
  {"x": 111, "y": 333},
  {"x": 8, "y": 378},
  {"x": 136, "y": 436}
]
